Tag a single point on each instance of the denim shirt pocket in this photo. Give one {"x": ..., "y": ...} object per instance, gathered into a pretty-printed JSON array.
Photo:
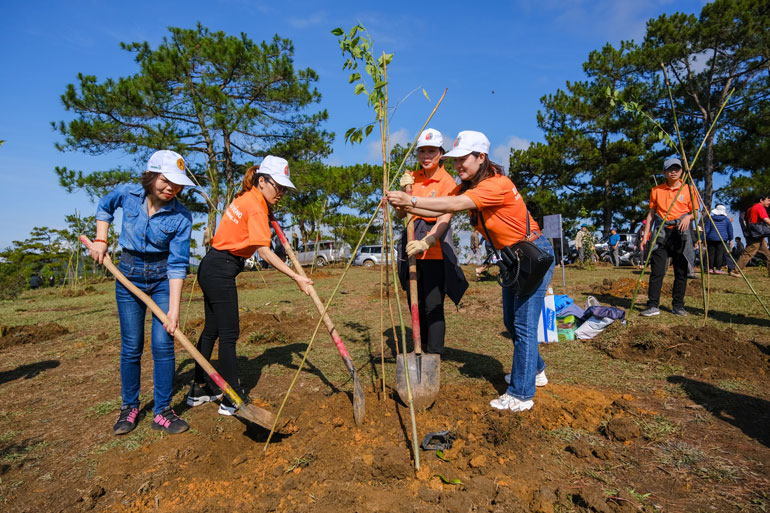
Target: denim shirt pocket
[{"x": 160, "y": 232}]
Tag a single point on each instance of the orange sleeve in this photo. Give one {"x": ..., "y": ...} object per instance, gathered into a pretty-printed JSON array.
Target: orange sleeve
[
  {"x": 259, "y": 229},
  {"x": 652, "y": 199},
  {"x": 694, "y": 199},
  {"x": 486, "y": 194}
]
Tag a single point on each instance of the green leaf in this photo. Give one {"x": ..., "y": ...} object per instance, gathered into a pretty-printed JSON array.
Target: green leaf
[
  {"x": 448, "y": 481},
  {"x": 440, "y": 455},
  {"x": 380, "y": 84},
  {"x": 369, "y": 130},
  {"x": 354, "y": 77},
  {"x": 360, "y": 88},
  {"x": 338, "y": 31},
  {"x": 425, "y": 93}
]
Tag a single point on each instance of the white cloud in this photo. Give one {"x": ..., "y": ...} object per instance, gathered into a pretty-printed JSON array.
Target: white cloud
[
  {"x": 501, "y": 153},
  {"x": 374, "y": 147},
  {"x": 307, "y": 21}
]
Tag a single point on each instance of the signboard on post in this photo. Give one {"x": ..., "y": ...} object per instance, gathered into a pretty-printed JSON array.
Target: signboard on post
[{"x": 552, "y": 229}]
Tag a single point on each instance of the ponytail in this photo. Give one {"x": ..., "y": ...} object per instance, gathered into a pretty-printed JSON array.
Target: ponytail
[{"x": 249, "y": 180}]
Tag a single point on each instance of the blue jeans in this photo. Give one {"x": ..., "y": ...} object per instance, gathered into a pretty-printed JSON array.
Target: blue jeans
[
  {"x": 521, "y": 315},
  {"x": 149, "y": 275}
]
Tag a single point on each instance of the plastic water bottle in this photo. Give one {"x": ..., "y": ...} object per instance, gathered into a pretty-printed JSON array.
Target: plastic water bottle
[{"x": 546, "y": 327}]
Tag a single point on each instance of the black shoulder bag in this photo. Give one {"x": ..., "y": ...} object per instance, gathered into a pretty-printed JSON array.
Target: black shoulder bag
[{"x": 522, "y": 265}]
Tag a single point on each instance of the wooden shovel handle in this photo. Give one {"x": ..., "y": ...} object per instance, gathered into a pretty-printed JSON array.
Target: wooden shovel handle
[
  {"x": 160, "y": 314},
  {"x": 313, "y": 294},
  {"x": 415, "y": 307}
]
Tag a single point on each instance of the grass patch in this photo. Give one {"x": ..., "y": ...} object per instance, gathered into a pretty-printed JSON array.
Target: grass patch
[
  {"x": 656, "y": 428},
  {"x": 7, "y": 436},
  {"x": 105, "y": 407},
  {"x": 301, "y": 462}
]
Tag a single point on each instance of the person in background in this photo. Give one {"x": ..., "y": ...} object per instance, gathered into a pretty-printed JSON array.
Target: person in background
[
  {"x": 155, "y": 238},
  {"x": 579, "y": 243},
  {"x": 757, "y": 214},
  {"x": 639, "y": 243},
  {"x": 614, "y": 242},
  {"x": 720, "y": 230},
  {"x": 243, "y": 230},
  {"x": 672, "y": 239}
]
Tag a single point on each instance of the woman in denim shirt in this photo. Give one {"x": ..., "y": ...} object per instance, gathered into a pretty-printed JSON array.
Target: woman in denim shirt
[{"x": 155, "y": 237}]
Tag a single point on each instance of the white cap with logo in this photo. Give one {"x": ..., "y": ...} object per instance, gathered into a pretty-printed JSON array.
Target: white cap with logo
[
  {"x": 430, "y": 137},
  {"x": 278, "y": 169},
  {"x": 171, "y": 165},
  {"x": 467, "y": 142}
]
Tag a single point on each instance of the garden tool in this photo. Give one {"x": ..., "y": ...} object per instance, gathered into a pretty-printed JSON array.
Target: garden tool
[
  {"x": 246, "y": 411},
  {"x": 359, "y": 405}
]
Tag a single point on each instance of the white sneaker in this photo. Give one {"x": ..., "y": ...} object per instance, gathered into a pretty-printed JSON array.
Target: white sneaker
[
  {"x": 508, "y": 402},
  {"x": 226, "y": 410},
  {"x": 540, "y": 379}
]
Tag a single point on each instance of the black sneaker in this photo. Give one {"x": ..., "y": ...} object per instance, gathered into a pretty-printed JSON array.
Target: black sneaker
[
  {"x": 169, "y": 422},
  {"x": 201, "y": 394},
  {"x": 679, "y": 311},
  {"x": 126, "y": 421}
]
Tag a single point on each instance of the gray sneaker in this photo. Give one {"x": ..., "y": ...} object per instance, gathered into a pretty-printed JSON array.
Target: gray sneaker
[
  {"x": 650, "y": 311},
  {"x": 679, "y": 311}
]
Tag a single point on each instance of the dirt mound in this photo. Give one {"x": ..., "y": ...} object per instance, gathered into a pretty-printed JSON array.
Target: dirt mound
[
  {"x": 267, "y": 328},
  {"x": 18, "y": 335},
  {"x": 707, "y": 352},
  {"x": 331, "y": 465},
  {"x": 624, "y": 287}
]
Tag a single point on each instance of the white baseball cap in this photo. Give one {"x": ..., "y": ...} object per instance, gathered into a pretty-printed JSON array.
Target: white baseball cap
[
  {"x": 278, "y": 169},
  {"x": 673, "y": 161},
  {"x": 171, "y": 165},
  {"x": 467, "y": 142},
  {"x": 430, "y": 137}
]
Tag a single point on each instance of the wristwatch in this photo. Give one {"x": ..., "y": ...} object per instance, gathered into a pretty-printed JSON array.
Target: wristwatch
[{"x": 414, "y": 201}]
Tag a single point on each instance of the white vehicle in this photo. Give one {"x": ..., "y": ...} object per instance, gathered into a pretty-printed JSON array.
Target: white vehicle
[{"x": 369, "y": 256}]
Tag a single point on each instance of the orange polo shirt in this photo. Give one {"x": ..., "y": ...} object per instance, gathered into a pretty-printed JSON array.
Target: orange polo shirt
[
  {"x": 503, "y": 208},
  {"x": 244, "y": 226},
  {"x": 440, "y": 184},
  {"x": 662, "y": 196}
]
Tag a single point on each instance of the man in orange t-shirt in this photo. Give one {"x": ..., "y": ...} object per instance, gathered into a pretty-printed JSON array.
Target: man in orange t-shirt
[{"x": 672, "y": 205}]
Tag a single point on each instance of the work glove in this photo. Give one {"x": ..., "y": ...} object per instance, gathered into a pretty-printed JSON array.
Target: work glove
[
  {"x": 418, "y": 246},
  {"x": 406, "y": 180}
]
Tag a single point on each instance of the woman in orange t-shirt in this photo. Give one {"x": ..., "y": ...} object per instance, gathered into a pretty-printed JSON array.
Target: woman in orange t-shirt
[
  {"x": 438, "y": 273},
  {"x": 490, "y": 194},
  {"x": 243, "y": 230}
]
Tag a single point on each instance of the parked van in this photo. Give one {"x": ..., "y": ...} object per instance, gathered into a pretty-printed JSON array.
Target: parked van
[{"x": 329, "y": 251}]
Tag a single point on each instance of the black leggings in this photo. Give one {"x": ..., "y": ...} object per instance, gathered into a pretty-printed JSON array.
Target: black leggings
[
  {"x": 431, "y": 292},
  {"x": 216, "y": 276},
  {"x": 716, "y": 253}
]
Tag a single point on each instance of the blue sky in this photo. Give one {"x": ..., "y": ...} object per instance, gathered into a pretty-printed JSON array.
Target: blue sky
[{"x": 496, "y": 58}]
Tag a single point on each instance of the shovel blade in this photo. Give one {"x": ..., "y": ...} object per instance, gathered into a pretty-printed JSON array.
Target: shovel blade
[
  {"x": 257, "y": 415},
  {"x": 424, "y": 378}
]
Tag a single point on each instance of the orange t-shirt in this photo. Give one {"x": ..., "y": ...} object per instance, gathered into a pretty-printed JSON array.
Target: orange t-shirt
[
  {"x": 504, "y": 211},
  {"x": 662, "y": 195},
  {"x": 440, "y": 184},
  {"x": 244, "y": 226}
]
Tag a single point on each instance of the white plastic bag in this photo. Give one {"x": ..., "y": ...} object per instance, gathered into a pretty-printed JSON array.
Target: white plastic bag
[{"x": 592, "y": 327}]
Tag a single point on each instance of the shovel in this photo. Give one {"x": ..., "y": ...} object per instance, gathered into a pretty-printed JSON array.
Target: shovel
[
  {"x": 246, "y": 411},
  {"x": 424, "y": 369},
  {"x": 359, "y": 406}
]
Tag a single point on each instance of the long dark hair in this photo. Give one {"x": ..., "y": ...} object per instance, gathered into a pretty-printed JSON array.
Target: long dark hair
[
  {"x": 488, "y": 169},
  {"x": 250, "y": 179}
]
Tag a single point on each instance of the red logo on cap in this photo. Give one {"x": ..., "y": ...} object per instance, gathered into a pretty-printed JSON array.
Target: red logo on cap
[
  {"x": 428, "y": 136},
  {"x": 457, "y": 141},
  {"x": 286, "y": 170}
]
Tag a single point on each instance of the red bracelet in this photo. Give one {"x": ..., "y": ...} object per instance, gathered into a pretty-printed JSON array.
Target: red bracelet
[{"x": 101, "y": 240}]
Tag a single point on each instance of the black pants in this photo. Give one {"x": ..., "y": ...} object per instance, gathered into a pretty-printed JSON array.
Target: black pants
[
  {"x": 716, "y": 254},
  {"x": 216, "y": 276},
  {"x": 672, "y": 246},
  {"x": 431, "y": 292}
]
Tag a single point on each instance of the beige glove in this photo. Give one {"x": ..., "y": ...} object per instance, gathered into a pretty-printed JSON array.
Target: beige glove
[
  {"x": 419, "y": 246},
  {"x": 406, "y": 180}
]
